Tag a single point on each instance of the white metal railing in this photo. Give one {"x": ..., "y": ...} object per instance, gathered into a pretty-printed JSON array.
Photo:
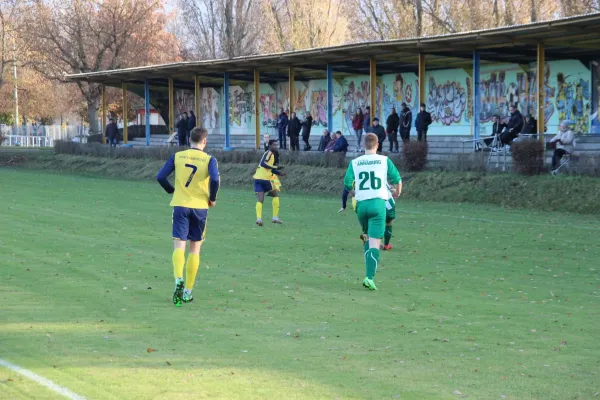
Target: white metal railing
[
  {"x": 28, "y": 141},
  {"x": 42, "y": 135}
]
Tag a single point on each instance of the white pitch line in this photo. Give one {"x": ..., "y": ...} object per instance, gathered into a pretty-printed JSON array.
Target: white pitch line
[{"x": 41, "y": 380}]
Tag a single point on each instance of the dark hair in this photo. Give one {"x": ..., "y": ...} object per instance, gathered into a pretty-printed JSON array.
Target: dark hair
[
  {"x": 272, "y": 141},
  {"x": 422, "y": 104},
  {"x": 338, "y": 132},
  {"x": 403, "y": 104},
  {"x": 198, "y": 134},
  {"x": 368, "y": 107}
]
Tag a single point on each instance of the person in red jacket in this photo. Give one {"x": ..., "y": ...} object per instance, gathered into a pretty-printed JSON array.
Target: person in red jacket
[{"x": 357, "y": 125}]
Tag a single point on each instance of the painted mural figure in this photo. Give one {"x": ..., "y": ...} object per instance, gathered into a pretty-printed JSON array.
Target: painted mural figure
[
  {"x": 269, "y": 113},
  {"x": 318, "y": 107},
  {"x": 580, "y": 110},
  {"x": 561, "y": 97}
]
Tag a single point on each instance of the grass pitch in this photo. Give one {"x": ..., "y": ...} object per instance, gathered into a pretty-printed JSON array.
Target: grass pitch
[{"x": 474, "y": 301}]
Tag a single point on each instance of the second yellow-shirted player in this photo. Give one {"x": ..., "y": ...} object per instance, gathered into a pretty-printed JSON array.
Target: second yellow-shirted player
[{"x": 264, "y": 177}]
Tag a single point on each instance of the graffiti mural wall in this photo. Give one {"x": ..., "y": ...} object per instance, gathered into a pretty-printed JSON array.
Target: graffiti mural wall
[
  {"x": 571, "y": 93},
  {"x": 211, "y": 110},
  {"x": 595, "y": 117},
  {"x": 447, "y": 100}
]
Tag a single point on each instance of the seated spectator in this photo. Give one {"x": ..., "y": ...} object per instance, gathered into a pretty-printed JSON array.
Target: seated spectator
[
  {"x": 564, "y": 143},
  {"x": 330, "y": 145},
  {"x": 514, "y": 126},
  {"x": 325, "y": 139},
  {"x": 341, "y": 144},
  {"x": 497, "y": 129},
  {"x": 530, "y": 125}
]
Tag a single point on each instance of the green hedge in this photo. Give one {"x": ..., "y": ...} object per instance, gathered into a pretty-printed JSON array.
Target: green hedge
[{"x": 543, "y": 192}]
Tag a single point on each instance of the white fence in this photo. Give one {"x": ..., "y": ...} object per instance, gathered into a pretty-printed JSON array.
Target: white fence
[{"x": 42, "y": 135}]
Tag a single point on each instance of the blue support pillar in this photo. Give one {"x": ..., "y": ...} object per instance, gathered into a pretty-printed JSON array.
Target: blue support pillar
[
  {"x": 329, "y": 98},
  {"x": 147, "y": 110},
  {"x": 476, "y": 96},
  {"x": 226, "y": 105}
]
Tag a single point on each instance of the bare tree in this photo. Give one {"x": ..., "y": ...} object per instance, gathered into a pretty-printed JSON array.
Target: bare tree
[
  {"x": 301, "y": 24},
  {"x": 219, "y": 29},
  {"x": 11, "y": 12},
  {"x": 92, "y": 35}
]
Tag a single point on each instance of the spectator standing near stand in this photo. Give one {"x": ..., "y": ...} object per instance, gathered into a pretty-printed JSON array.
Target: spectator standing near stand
[
  {"x": 282, "y": 123},
  {"x": 294, "y": 128},
  {"x": 181, "y": 131},
  {"x": 405, "y": 123},
  {"x": 191, "y": 124},
  {"x": 392, "y": 123},
  {"x": 357, "y": 125},
  {"x": 366, "y": 122},
  {"x": 422, "y": 123},
  {"x": 379, "y": 131},
  {"x": 306, "y": 127},
  {"x": 112, "y": 133}
]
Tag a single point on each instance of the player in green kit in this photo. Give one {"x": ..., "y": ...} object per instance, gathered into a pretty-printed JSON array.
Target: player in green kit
[{"x": 371, "y": 172}]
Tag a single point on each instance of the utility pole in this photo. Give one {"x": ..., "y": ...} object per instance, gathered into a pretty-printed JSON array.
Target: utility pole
[{"x": 16, "y": 92}]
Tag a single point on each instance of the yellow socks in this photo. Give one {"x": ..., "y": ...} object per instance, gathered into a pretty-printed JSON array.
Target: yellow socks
[
  {"x": 259, "y": 210},
  {"x": 178, "y": 262},
  {"x": 191, "y": 268},
  {"x": 275, "y": 207}
]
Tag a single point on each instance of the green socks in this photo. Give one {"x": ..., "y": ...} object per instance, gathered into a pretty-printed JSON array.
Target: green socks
[
  {"x": 387, "y": 235},
  {"x": 371, "y": 261}
]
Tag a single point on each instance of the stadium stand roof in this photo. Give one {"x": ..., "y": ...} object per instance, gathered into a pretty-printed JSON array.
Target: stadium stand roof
[{"x": 576, "y": 37}]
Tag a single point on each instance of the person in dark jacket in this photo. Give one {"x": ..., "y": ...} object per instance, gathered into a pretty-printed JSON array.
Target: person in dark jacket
[
  {"x": 191, "y": 121},
  {"x": 405, "y": 123},
  {"x": 514, "y": 126},
  {"x": 530, "y": 125},
  {"x": 282, "y": 123},
  {"x": 182, "y": 130},
  {"x": 325, "y": 139},
  {"x": 379, "y": 131},
  {"x": 112, "y": 133},
  {"x": 341, "y": 144},
  {"x": 306, "y": 127},
  {"x": 422, "y": 123},
  {"x": 294, "y": 128},
  {"x": 266, "y": 140},
  {"x": 497, "y": 129},
  {"x": 391, "y": 127}
]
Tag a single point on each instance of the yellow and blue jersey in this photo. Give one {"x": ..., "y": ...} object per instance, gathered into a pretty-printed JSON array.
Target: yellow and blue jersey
[
  {"x": 196, "y": 178},
  {"x": 267, "y": 167}
]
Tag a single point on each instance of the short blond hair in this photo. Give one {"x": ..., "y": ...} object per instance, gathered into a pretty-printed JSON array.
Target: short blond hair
[{"x": 371, "y": 141}]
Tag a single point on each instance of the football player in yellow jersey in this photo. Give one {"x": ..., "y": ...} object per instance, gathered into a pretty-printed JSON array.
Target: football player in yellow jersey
[
  {"x": 265, "y": 173},
  {"x": 195, "y": 191}
]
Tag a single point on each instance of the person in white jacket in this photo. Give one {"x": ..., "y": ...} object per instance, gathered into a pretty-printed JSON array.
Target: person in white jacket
[{"x": 564, "y": 143}]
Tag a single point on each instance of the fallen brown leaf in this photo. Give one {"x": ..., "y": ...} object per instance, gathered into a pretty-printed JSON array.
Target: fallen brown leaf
[
  {"x": 168, "y": 363},
  {"x": 150, "y": 350}
]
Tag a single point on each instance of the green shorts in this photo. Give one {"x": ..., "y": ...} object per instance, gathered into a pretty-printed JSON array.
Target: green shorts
[
  {"x": 372, "y": 215},
  {"x": 390, "y": 214}
]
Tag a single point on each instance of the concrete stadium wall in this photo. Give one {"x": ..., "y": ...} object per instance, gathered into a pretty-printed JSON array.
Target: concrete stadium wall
[{"x": 571, "y": 93}]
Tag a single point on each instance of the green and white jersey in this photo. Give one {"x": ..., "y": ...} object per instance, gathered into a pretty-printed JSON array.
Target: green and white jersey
[
  {"x": 371, "y": 173},
  {"x": 390, "y": 203}
]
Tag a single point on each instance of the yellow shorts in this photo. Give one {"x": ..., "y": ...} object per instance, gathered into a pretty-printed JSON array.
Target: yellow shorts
[{"x": 276, "y": 183}]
